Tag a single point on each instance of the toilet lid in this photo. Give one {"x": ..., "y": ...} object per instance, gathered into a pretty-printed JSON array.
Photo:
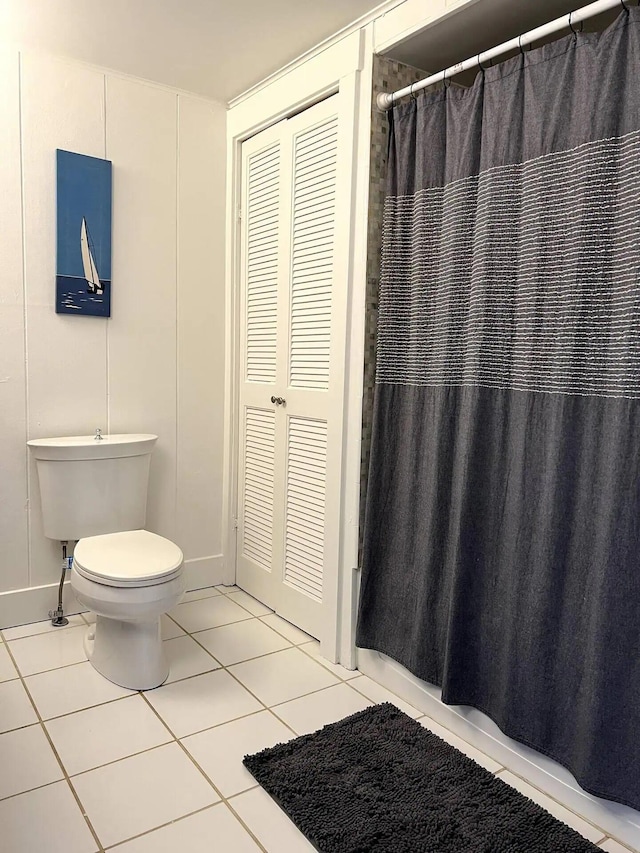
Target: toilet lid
[{"x": 130, "y": 558}]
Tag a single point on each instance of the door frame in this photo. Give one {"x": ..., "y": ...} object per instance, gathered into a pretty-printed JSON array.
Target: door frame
[{"x": 344, "y": 68}]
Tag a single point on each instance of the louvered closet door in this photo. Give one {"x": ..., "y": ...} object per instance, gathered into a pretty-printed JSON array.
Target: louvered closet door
[{"x": 292, "y": 315}]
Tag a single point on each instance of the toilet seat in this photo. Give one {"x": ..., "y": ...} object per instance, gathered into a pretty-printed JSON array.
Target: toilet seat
[{"x": 132, "y": 558}]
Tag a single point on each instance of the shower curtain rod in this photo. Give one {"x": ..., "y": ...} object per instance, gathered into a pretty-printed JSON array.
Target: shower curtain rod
[{"x": 386, "y": 100}]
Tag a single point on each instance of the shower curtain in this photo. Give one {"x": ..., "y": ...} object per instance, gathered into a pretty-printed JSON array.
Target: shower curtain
[{"x": 502, "y": 537}]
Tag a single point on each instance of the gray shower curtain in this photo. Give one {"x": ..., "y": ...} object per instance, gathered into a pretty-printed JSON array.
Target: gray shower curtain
[{"x": 502, "y": 540}]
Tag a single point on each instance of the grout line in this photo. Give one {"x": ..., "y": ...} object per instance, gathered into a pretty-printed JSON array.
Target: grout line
[
  {"x": 621, "y": 843},
  {"x": 45, "y": 630},
  {"x": 31, "y": 790},
  {"x": 46, "y": 720},
  {"x": 194, "y": 637},
  {"x": 223, "y": 799},
  {"x": 221, "y": 625},
  {"x": 219, "y": 666},
  {"x": 244, "y": 687},
  {"x": 177, "y": 740},
  {"x": 283, "y": 722},
  {"x": 226, "y": 595},
  {"x": 59, "y": 760},
  {"x": 200, "y": 598},
  {"x": 163, "y": 825},
  {"x": 168, "y": 742}
]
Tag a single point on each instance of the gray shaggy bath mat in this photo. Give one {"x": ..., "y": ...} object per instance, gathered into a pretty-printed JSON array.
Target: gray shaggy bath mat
[{"x": 379, "y": 781}]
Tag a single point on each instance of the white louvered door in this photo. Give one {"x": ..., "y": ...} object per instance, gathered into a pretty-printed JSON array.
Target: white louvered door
[{"x": 293, "y": 349}]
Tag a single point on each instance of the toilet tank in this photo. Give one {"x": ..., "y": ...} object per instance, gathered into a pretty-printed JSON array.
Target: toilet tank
[{"x": 91, "y": 486}]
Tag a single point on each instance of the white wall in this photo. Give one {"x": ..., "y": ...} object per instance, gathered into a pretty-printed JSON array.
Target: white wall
[{"x": 158, "y": 364}]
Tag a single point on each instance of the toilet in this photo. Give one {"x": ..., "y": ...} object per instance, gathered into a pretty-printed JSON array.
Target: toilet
[{"x": 93, "y": 491}]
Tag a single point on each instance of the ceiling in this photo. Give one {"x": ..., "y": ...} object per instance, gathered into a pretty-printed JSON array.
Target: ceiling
[{"x": 217, "y": 48}]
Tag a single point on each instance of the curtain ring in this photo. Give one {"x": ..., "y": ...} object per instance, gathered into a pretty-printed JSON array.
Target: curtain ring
[
  {"x": 480, "y": 65},
  {"x": 444, "y": 80},
  {"x": 572, "y": 28},
  {"x": 520, "y": 45},
  {"x": 412, "y": 93},
  {"x": 625, "y": 7}
]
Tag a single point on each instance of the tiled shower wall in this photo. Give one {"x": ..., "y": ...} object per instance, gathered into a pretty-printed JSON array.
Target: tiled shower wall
[{"x": 388, "y": 76}]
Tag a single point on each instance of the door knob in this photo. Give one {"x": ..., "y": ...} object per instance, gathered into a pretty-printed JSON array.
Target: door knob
[{"x": 279, "y": 401}]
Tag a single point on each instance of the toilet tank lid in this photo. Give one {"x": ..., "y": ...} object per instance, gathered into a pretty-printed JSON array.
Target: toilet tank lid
[
  {"x": 76, "y": 447},
  {"x": 128, "y": 556}
]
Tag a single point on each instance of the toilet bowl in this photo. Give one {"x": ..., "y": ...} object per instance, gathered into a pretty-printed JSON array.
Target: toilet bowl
[{"x": 129, "y": 579}]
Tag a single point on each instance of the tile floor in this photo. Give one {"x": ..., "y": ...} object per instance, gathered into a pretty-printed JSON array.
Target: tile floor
[{"x": 87, "y": 766}]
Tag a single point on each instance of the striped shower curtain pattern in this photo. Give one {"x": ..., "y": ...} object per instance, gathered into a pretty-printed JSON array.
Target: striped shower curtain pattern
[{"x": 502, "y": 537}]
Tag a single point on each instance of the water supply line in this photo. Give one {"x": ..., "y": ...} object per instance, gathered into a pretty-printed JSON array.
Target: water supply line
[{"x": 58, "y": 619}]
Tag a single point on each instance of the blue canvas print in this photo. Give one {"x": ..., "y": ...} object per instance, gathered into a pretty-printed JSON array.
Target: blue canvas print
[{"x": 83, "y": 270}]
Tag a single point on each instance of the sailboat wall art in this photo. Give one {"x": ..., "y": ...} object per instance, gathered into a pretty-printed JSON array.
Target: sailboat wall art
[{"x": 83, "y": 268}]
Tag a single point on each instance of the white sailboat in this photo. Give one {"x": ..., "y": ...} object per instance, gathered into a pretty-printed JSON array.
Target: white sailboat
[{"x": 90, "y": 270}]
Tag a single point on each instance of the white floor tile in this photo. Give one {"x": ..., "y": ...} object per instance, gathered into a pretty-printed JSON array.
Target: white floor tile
[
  {"x": 219, "y": 719},
  {"x": 313, "y": 648},
  {"x": 45, "y": 819},
  {"x": 374, "y": 691},
  {"x": 169, "y": 629},
  {"x": 142, "y": 792},
  {"x": 197, "y": 594},
  {"x": 241, "y": 641},
  {"x": 213, "y": 829},
  {"x": 7, "y": 669},
  {"x": 560, "y": 812},
  {"x": 72, "y": 688},
  {"x": 48, "y": 651},
  {"x": 312, "y": 712},
  {"x": 201, "y": 702},
  {"x": 282, "y": 676},
  {"x": 257, "y": 608},
  {"x": 16, "y": 709},
  {"x": 289, "y": 631},
  {"x": 464, "y": 747},
  {"x": 27, "y": 761},
  {"x": 31, "y": 629},
  {"x": 269, "y": 823},
  {"x": 208, "y": 613},
  {"x": 612, "y": 846},
  {"x": 106, "y": 733},
  {"x": 187, "y": 658},
  {"x": 220, "y": 751}
]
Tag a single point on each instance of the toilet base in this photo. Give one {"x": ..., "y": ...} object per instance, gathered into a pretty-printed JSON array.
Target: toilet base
[{"x": 130, "y": 654}]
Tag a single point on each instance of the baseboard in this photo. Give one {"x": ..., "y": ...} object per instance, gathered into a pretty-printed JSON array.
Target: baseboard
[
  {"x": 20, "y": 606},
  {"x": 204, "y": 571},
  {"x": 476, "y": 728}
]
